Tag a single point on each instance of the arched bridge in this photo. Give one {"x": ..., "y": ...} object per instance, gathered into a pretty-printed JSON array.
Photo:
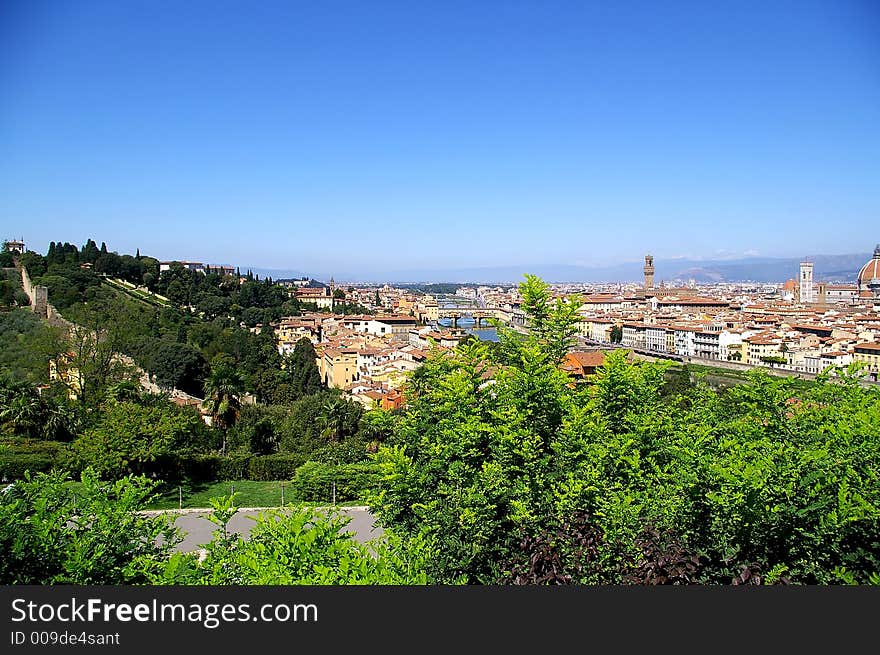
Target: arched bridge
[{"x": 479, "y": 315}]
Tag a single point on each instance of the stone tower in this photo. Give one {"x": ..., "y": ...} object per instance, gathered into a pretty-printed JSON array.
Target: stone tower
[
  {"x": 649, "y": 272},
  {"x": 823, "y": 293},
  {"x": 41, "y": 301},
  {"x": 806, "y": 283}
]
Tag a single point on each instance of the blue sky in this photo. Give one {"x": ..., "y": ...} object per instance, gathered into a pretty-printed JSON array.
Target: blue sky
[{"x": 381, "y": 136}]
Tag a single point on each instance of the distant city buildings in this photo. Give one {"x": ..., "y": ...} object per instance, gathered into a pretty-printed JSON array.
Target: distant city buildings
[{"x": 799, "y": 326}]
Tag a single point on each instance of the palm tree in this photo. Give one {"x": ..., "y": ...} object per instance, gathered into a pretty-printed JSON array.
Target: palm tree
[
  {"x": 332, "y": 418},
  {"x": 222, "y": 389},
  {"x": 22, "y": 408},
  {"x": 61, "y": 422}
]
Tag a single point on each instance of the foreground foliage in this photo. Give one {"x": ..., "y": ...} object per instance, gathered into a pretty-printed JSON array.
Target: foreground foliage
[
  {"x": 50, "y": 534},
  {"x": 97, "y": 534},
  {"x": 516, "y": 474},
  {"x": 294, "y": 546}
]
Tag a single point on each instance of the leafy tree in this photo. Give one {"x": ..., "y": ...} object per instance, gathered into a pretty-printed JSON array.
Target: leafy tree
[
  {"x": 377, "y": 425},
  {"x": 552, "y": 321},
  {"x": 180, "y": 366},
  {"x": 26, "y": 346},
  {"x": 96, "y": 340},
  {"x": 515, "y": 476},
  {"x": 90, "y": 252},
  {"x": 130, "y": 437},
  {"x": 336, "y": 414},
  {"x": 616, "y": 334},
  {"x": 301, "y": 370},
  {"x": 22, "y": 409},
  {"x": 27, "y": 413},
  {"x": 305, "y": 427},
  {"x": 257, "y": 430}
]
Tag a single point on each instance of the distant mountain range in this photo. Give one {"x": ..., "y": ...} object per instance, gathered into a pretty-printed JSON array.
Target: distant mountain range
[{"x": 831, "y": 268}]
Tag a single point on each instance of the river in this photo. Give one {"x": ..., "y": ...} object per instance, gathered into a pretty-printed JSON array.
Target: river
[{"x": 466, "y": 323}]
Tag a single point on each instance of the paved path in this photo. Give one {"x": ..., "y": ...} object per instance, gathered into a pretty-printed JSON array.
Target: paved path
[{"x": 197, "y": 529}]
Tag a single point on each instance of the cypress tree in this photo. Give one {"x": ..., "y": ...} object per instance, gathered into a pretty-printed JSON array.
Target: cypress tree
[{"x": 304, "y": 375}]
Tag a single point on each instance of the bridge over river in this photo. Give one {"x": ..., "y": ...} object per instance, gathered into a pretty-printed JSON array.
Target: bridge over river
[{"x": 478, "y": 314}]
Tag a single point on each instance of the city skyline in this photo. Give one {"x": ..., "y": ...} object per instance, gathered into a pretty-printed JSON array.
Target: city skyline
[{"x": 336, "y": 138}]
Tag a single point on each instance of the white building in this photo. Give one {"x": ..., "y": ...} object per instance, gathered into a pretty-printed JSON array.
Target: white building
[
  {"x": 684, "y": 341},
  {"x": 655, "y": 338}
]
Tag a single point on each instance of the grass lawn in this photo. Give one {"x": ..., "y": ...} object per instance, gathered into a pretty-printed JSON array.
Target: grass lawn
[
  {"x": 248, "y": 493},
  {"x": 135, "y": 294}
]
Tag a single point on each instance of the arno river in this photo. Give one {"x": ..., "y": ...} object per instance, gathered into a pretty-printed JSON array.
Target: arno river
[{"x": 466, "y": 323}]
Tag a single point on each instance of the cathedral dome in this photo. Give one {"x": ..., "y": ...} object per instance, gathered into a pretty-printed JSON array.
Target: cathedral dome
[{"x": 871, "y": 270}]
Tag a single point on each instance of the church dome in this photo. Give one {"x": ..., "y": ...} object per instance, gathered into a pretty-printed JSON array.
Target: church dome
[{"x": 871, "y": 270}]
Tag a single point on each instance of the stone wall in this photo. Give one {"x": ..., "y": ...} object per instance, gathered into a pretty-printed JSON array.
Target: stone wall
[{"x": 37, "y": 294}]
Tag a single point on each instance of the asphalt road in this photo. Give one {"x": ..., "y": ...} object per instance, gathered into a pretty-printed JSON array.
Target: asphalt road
[{"x": 197, "y": 529}]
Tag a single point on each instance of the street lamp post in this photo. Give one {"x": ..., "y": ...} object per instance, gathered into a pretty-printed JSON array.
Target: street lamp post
[{"x": 333, "y": 483}]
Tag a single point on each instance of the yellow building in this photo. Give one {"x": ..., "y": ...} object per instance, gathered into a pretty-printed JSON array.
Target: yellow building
[
  {"x": 868, "y": 354},
  {"x": 338, "y": 367},
  {"x": 760, "y": 347},
  {"x": 290, "y": 331},
  {"x": 430, "y": 312},
  {"x": 737, "y": 352},
  {"x": 61, "y": 370}
]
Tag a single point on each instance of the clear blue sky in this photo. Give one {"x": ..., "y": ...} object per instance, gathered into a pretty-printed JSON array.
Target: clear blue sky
[{"x": 326, "y": 135}]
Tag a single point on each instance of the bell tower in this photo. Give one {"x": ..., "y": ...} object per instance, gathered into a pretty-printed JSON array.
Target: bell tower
[{"x": 649, "y": 272}]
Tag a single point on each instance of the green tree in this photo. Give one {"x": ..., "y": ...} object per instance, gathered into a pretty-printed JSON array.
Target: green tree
[
  {"x": 179, "y": 366},
  {"x": 26, "y": 346},
  {"x": 616, "y": 335},
  {"x": 301, "y": 370},
  {"x": 332, "y": 418},
  {"x": 377, "y": 425},
  {"x": 21, "y": 409},
  {"x": 515, "y": 476},
  {"x": 553, "y": 322},
  {"x": 131, "y": 438}
]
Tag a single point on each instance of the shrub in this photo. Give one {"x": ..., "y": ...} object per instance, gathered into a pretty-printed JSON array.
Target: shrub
[
  {"x": 233, "y": 467},
  {"x": 209, "y": 468},
  {"x": 313, "y": 481},
  {"x": 274, "y": 467},
  {"x": 20, "y": 455},
  {"x": 13, "y": 465}
]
